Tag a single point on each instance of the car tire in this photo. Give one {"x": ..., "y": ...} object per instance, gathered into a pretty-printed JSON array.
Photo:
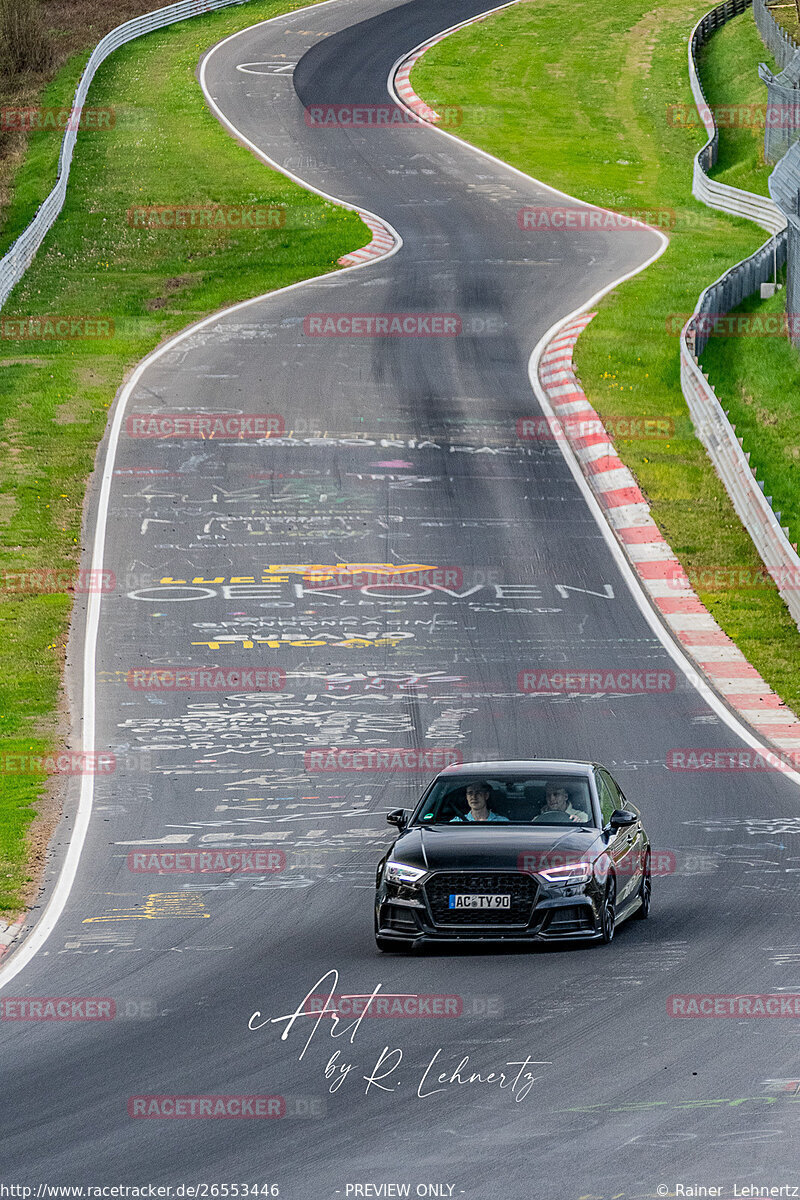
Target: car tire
[
  {"x": 645, "y": 891},
  {"x": 608, "y": 913}
]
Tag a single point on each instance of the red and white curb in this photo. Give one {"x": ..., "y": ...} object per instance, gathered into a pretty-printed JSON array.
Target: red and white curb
[
  {"x": 659, "y": 571},
  {"x": 383, "y": 240},
  {"x": 400, "y": 74},
  {"x": 727, "y": 672},
  {"x": 405, "y": 91}
]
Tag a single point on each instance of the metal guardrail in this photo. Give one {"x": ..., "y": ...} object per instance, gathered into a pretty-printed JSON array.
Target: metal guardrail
[
  {"x": 734, "y": 286},
  {"x": 18, "y": 258},
  {"x": 710, "y": 421},
  {"x": 784, "y": 187},
  {"x": 782, "y": 118},
  {"x": 721, "y": 196},
  {"x": 733, "y": 467},
  {"x": 781, "y": 143},
  {"x": 780, "y": 44}
]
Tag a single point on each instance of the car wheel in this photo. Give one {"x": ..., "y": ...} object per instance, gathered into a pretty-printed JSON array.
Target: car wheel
[
  {"x": 645, "y": 891},
  {"x": 608, "y": 913}
]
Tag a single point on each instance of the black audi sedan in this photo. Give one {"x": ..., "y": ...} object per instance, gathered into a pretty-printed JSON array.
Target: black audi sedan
[{"x": 514, "y": 851}]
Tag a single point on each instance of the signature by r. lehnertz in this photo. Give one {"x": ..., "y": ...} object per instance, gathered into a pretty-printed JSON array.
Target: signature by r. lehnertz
[{"x": 385, "y": 1075}]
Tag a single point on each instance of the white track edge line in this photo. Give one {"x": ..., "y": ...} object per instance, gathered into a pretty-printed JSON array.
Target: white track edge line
[
  {"x": 635, "y": 586},
  {"x": 46, "y": 923},
  {"x": 390, "y": 87},
  {"x": 41, "y": 931}
]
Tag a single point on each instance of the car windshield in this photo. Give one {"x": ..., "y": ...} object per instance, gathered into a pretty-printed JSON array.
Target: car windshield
[{"x": 519, "y": 799}]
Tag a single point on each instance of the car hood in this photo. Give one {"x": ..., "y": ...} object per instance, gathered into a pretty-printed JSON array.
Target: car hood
[{"x": 436, "y": 847}]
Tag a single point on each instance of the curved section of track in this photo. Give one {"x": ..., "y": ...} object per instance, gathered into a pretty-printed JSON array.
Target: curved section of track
[{"x": 398, "y": 450}]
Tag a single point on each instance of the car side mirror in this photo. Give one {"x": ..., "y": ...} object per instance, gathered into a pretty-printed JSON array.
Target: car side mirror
[
  {"x": 398, "y": 817},
  {"x": 621, "y": 818}
]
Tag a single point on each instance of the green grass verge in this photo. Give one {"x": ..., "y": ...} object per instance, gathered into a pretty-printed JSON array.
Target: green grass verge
[
  {"x": 757, "y": 378},
  {"x": 589, "y": 113},
  {"x": 767, "y": 418},
  {"x": 728, "y": 68},
  {"x": 786, "y": 15},
  {"x": 54, "y": 396},
  {"x": 37, "y": 175}
]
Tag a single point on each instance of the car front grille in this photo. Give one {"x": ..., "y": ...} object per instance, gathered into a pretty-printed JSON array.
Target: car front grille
[
  {"x": 573, "y": 919},
  {"x": 399, "y": 919},
  {"x": 522, "y": 889}
]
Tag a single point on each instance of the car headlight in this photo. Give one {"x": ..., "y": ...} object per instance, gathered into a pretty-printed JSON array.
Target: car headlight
[
  {"x": 575, "y": 872},
  {"x": 397, "y": 872}
]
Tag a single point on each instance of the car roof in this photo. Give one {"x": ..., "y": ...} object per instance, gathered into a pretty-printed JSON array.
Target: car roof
[{"x": 550, "y": 766}]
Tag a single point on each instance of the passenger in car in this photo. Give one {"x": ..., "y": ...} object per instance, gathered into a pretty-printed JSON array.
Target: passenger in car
[{"x": 479, "y": 797}]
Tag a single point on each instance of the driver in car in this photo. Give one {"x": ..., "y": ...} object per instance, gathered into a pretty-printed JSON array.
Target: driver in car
[
  {"x": 478, "y": 798},
  {"x": 556, "y": 799}
]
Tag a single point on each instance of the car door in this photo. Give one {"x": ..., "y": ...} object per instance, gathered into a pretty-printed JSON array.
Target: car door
[
  {"x": 639, "y": 848},
  {"x": 624, "y": 847}
]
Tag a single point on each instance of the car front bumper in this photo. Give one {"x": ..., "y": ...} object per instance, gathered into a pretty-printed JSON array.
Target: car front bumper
[{"x": 556, "y": 916}]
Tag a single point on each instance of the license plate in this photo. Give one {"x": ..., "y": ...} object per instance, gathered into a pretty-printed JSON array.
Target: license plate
[{"x": 479, "y": 901}]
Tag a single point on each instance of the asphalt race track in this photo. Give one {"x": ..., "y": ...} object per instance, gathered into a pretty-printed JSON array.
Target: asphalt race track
[{"x": 397, "y": 450}]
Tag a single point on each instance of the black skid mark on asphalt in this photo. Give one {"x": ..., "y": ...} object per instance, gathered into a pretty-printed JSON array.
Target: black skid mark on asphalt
[
  {"x": 411, "y": 705},
  {"x": 147, "y": 390},
  {"x": 487, "y": 339},
  {"x": 417, "y": 367}
]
